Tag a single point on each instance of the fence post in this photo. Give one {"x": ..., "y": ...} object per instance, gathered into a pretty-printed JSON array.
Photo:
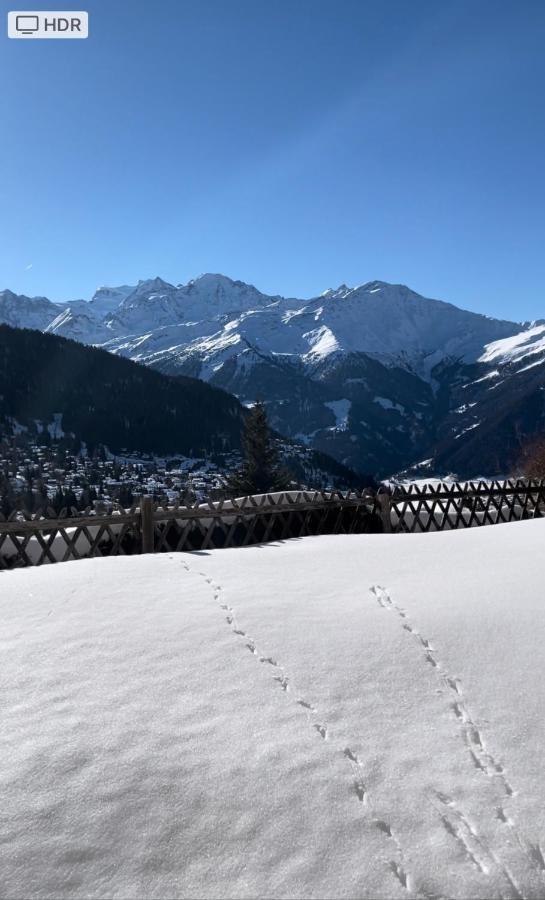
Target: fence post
[
  {"x": 383, "y": 497},
  {"x": 146, "y": 523}
]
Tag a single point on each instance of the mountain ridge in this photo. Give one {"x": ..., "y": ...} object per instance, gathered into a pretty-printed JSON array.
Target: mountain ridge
[{"x": 396, "y": 362}]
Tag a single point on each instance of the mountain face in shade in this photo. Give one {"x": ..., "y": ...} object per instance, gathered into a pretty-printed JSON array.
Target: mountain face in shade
[
  {"x": 100, "y": 398},
  {"x": 377, "y": 375}
]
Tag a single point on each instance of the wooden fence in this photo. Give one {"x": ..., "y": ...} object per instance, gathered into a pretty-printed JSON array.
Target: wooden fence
[
  {"x": 152, "y": 528},
  {"x": 439, "y": 507}
]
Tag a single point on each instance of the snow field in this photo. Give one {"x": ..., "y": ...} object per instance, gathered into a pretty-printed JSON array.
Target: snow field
[{"x": 345, "y": 716}]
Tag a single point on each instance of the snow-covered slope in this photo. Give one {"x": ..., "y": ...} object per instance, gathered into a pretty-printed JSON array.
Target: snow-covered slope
[
  {"x": 105, "y": 299},
  {"x": 387, "y": 321},
  {"x": 156, "y": 303},
  {"x": 203, "y": 317},
  {"x": 26, "y": 312},
  {"x": 527, "y": 347},
  {"x": 496, "y": 405},
  {"x": 351, "y": 716}
]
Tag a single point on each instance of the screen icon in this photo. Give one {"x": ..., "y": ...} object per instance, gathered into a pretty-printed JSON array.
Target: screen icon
[
  {"x": 27, "y": 24},
  {"x": 31, "y": 24}
]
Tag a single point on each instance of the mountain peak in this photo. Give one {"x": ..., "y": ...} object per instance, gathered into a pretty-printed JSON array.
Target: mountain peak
[
  {"x": 154, "y": 284},
  {"x": 341, "y": 291},
  {"x": 105, "y": 291},
  {"x": 210, "y": 279},
  {"x": 377, "y": 287}
]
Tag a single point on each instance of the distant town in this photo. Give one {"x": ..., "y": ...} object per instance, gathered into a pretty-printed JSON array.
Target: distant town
[{"x": 41, "y": 473}]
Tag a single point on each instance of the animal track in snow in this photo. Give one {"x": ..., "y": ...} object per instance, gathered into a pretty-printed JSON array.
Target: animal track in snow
[
  {"x": 384, "y": 827},
  {"x": 475, "y": 736},
  {"x": 483, "y": 761},
  {"x": 532, "y": 852},
  {"x": 455, "y": 831},
  {"x": 401, "y": 875},
  {"x": 306, "y": 705},
  {"x": 459, "y": 827},
  {"x": 459, "y": 711},
  {"x": 480, "y": 757},
  {"x": 361, "y": 791},
  {"x": 453, "y": 684},
  {"x": 449, "y": 802},
  {"x": 351, "y": 755},
  {"x": 502, "y": 816},
  {"x": 359, "y": 786},
  {"x": 536, "y": 852}
]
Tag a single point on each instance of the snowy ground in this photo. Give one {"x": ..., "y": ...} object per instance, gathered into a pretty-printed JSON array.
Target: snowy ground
[{"x": 340, "y": 716}]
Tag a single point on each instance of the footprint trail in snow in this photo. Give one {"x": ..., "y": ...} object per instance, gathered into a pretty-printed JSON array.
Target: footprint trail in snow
[
  {"x": 397, "y": 864},
  {"x": 454, "y": 821}
]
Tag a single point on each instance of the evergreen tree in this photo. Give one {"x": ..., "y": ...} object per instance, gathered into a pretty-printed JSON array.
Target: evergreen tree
[
  {"x": 27, "y": 494},
  {"x": 125, "y": 496},
  {"x": 84, "y": 499},
  {"x": 70, "y": 501},
  {"x": 58, "y": 501},
  {"x": 42, "y": 499},
  {"x": 7, "y": 496},
  {"x": 260, "y": 472}
]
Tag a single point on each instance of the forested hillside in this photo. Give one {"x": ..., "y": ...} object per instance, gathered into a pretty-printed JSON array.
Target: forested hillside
[{"x": 50, "y": 382}]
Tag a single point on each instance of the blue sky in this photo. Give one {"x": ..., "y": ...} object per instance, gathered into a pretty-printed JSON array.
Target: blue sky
[{"x": 294, "y": 144}]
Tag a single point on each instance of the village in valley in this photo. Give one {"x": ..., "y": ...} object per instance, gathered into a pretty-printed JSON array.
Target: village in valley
[
  {"x": 39, "y": 473},
  {"x": 35, "y": 476}
]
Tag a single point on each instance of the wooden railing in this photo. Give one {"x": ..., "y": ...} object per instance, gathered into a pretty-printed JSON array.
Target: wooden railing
[
  {"x": 149, "y": 527},
  {"x": 440, "y": 507}
]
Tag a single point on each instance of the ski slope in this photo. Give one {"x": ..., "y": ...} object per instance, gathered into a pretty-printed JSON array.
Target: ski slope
[{"x": 341, "y": 716}]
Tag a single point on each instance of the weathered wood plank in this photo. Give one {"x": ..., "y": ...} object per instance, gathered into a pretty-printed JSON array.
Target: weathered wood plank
[{"x": 15, "y": 527}]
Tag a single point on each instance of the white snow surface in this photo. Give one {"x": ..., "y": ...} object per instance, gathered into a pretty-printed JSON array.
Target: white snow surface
[
  {"x": 341, "y": 411},
  {"x": 517, "y": 347},
  {"x": 386, "y": 403},
  {"x": 348, "y": 716}
]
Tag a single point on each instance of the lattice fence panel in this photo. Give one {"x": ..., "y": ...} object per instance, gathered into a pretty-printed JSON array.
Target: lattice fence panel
[
  {"x": 47, "y": 537},
  {"x": 257, "y": 520},
  {"x": 432, "y": 507},
  {"x": 33, "y": 541}
]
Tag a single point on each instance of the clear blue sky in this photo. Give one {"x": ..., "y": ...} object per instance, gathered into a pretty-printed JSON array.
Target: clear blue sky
[{"x": 295, "y": 144}]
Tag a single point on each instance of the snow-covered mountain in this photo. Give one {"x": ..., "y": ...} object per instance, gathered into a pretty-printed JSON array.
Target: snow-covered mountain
[
  {"x": 26, "y": 312},
  {"x": 369, "y": 374},
  {"x": 213, "y": 319}
]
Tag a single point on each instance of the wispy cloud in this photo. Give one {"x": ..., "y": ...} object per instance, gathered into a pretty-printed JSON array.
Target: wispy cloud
[{"x": 29, "y": 266}]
